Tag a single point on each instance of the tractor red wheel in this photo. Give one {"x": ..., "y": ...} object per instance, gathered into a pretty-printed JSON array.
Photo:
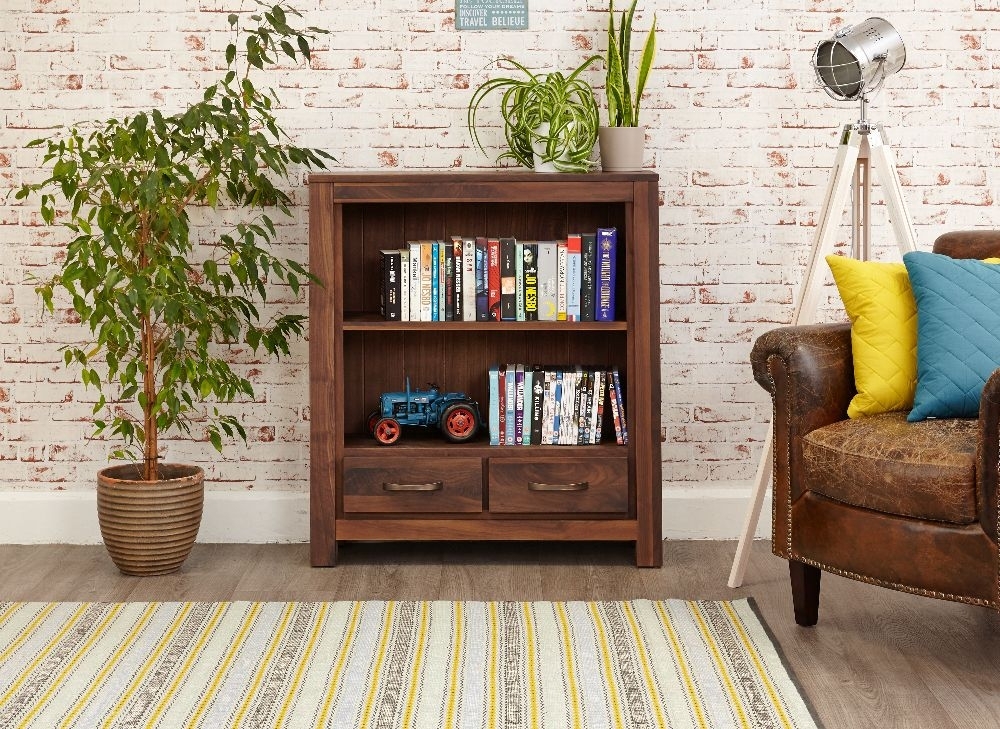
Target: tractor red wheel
[
  {"x": 459, "y": 423},
  {"x": 373, "y": 418},
  {"x": 387, "y": 431}
]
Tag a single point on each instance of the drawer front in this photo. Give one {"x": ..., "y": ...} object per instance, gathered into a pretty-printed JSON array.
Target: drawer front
[
  {"x": 558, "y": 486},
  {"x": 405, "y": 485}
]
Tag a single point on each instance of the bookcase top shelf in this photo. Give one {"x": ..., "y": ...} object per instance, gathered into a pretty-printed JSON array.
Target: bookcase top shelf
[{"x": 371, "y": 321}]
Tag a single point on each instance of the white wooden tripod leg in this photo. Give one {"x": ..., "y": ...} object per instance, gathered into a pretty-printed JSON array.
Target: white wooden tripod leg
[
  {"x": 833, "y": 208},
  {"x": 885, "y": 167},
  {"x": 753, "y": 513}
]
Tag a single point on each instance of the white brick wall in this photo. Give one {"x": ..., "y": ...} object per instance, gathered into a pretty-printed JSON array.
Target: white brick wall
[{"x": 740, "y": 135}]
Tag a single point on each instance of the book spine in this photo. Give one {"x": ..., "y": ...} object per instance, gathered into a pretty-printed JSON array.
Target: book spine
[
  {"x": 582, "y": 420},
  {"x": 502, "y": 405},
  {"x": 548, "y": 398},
  {"x": 442, "y": 258},
  {"x": 573, "y": 277},
  {"x": 588, "y": 272},
  {"x": 529, "y": 377},
  {"x": 615, "y": 411},
  {"x": 537, "y": 401},
  {"x": 493, "y": 277},
  {"x": 620, "y": 396},
  {"x": 415, "y": 283},
  {"x": 510, "y": 389},
  {"x": 607, "y": 245},
  {"x": 426, "y": 280},
  {"x": 404, "y": 285},
  {"x": 458, "y": 268},
  {"x": 561, "y": 261},
  {"x": 389, "y": 300},
  {"x": 519, "y": 405},
  {"x": 508, "y": 280},
  {"x": 494, "y": 413},
  {"x": 597, "y": 420},
  {"x": 557, "y": 404},
  {"x": 482, "y": 283},
  {"x": 449, "y": 280},
  {"x": 435, "y": 282},
  {"x": 469, "y": 283},
  {"x": 547, "y": 281},
  {"x": 530, "y": 280},
  {"x": 519, "y": 281}
]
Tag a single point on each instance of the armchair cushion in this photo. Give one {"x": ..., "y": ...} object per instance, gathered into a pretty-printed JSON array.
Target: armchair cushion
[
  {"x": 922, "y": 470},
  {"x": 958, "y": 332},
  {"x": 879, "y": 302}
]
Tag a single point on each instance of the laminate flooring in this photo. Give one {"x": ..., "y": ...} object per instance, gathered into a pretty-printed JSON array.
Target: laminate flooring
[{"x": 877, "y": 658}]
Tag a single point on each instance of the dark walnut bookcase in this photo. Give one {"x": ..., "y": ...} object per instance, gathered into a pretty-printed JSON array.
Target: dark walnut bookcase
[{"x": 424, "y": 488}]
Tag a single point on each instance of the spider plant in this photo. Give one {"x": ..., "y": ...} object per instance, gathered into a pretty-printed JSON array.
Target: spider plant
[
  {"x": 565, "y": 103},
  {"x": 623, "y": 104}
]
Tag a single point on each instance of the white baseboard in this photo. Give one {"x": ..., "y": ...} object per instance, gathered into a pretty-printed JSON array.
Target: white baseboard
[{"x": 69, "y": 517}]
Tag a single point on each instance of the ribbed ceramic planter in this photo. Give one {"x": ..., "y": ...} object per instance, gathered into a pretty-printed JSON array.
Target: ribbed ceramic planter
[
  {"x": 149, "y": 527},
  {"x": 621, "y": 148}
]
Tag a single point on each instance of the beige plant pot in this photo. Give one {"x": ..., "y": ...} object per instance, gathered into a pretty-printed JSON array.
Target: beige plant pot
[
  {"x": 621, "y": 148},
  {"x": 149, "y": 527}
]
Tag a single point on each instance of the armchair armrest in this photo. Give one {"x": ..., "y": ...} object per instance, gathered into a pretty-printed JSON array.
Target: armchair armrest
[
  {"x": 989, "y": 455},
  {"x": 809, "y": 372}
]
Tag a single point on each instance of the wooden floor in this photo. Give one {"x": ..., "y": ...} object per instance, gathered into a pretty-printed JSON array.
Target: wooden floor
[{"x": 878, "y": 658}]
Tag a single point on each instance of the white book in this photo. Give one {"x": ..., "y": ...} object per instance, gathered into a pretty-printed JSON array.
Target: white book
[
  {"x": 561, "y": 263},
  {"x": 414, "y": 256},
  {"x": 404, "y": 285},
  {"x": 548, "y": 281}
]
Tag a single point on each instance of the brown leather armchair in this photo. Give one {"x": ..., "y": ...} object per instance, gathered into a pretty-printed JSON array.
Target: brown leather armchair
[{"x": 909, "y": 506}]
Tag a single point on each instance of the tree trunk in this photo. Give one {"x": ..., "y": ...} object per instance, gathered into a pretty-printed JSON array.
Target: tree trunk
[{"x": 150, "y": 449}]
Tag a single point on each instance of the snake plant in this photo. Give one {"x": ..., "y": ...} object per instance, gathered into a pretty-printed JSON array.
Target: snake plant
[
  {"x": 623, "y": 105},
  {"x": 566, "y": 103}
]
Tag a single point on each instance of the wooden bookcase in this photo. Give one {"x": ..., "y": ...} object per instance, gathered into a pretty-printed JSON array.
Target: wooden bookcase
[{"x": 355, "y": 355}]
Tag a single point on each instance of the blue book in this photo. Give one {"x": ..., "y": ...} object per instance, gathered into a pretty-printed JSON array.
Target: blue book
[
  {"x": 435, "y": 281},
  {"x": 494, "y": 414},
  {"x": 607, "y": 249},
  {"x": 557, "y": 391}
]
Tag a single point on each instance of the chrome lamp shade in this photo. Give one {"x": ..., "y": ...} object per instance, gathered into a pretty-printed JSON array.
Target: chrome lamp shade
[{"x": 858, "y": 59}]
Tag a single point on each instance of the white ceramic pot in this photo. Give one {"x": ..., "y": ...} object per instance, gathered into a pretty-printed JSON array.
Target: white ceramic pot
[
  {"x": 621, "y": 148},
  {"x": 538, "y": 150}
]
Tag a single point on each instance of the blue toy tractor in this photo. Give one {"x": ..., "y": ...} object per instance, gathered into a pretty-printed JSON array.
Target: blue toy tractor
[{"x": 453, "y": 412}]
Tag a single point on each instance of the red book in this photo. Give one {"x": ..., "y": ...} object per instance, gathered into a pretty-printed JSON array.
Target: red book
[{"x": 493, "y": 277}]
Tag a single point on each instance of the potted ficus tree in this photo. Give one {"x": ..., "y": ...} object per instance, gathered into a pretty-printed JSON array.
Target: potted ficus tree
[
  {"x": 622, "y": 141},
  {"x": 159, "y": 309},
  {"x": 550, "y": 119}
]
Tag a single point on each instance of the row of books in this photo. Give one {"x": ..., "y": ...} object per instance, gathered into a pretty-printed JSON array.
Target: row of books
[
  {"x": 502, "y": 279},
  {"x": 553, "y": 405}
]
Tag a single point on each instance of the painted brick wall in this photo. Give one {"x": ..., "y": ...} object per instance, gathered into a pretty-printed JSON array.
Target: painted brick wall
[{"x": 738, "y": 131}]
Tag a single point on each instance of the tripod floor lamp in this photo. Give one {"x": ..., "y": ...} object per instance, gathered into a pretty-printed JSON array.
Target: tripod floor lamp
[{"x": 850, "y": 66}]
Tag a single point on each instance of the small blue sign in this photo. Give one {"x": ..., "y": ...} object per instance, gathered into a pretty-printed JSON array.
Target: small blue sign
[{"x": 491, "y": 14}]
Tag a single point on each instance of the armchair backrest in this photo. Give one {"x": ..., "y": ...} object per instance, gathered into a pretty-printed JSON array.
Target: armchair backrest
[{"x": 969, "y": 244}]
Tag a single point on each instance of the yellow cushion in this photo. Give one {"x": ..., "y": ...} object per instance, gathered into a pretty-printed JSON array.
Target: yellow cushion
[{"x": 883, "y": 314}]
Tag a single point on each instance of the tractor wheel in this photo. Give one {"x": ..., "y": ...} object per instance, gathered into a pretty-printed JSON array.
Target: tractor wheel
[
  {"x": 459, "y": 423},
  {"x": 387, "y": 431},
  {"x": 373, "y": 418}
]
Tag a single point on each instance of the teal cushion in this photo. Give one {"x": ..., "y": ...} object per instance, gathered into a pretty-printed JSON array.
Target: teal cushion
[{"x": 958, "y": 333}]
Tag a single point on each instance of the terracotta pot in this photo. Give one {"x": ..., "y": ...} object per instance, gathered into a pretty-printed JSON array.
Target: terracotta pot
[
  {"x": 149, "y": 527},
  {"x": 621, "y": 148}
]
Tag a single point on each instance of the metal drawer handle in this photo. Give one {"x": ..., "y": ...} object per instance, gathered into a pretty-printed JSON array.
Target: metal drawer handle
[
  {"x": 573, "y": 486},
  {"x": 431, "y": 486}
]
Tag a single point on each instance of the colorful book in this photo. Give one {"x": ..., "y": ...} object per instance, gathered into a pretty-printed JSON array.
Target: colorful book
[
  {"x": 547, "y": 281},
  {"x": 493, "y": 277},
  {"x": 519, "y": 405},
  {"x": 494, "y": 412},
  {"x": 448, "y": 248},
  {"x": 443, "y": 248},
  {"x": 519, "y": 281},
  {"x": 458, "y": 272},
  {"x": 529, "y": 280},
  {"x": 573, "y": 277},
  {"x": 508, "y": 279},
  {"x": 561, "y": 262},
  {"x": 426, "y": 280},
  {"x": 391, "y": 288},
  {"x": 607, "y": 251},
  {"x": 510, "y": 389},
  {"x": 404, "y": 285},
  {"x": 588, "y": 271},
  {"x": 469, "y": 283},
  {"x": 502, "y": 405},
  {"x": 557, "y": 405},
  {"x": 620, "y": 396},
  {"x": 529, "y": 378},
  {"x": 435, "y": 281},
  {"x": 482, "y": 285}
]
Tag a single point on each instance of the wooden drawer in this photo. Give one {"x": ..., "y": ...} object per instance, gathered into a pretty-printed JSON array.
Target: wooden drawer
[
  {"x": 558, "y": 486},
  {"x": 396, "y": 484}
]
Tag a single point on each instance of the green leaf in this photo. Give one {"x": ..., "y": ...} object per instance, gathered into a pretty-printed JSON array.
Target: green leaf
[{"x": 304, "y": 47}]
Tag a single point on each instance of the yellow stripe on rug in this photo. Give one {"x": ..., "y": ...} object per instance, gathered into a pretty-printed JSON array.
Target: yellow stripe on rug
[{"x": 376, "y": 665}]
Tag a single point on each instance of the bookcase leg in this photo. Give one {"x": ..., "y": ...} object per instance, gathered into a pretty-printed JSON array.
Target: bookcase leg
[{"x": 648, "y": 552}]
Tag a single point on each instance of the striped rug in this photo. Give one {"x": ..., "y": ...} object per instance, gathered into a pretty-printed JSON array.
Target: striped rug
[{"x": 639, "y": 663}]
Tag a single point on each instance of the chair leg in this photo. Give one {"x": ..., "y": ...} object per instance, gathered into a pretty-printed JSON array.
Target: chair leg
[{"x": 805, "y": 592}]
